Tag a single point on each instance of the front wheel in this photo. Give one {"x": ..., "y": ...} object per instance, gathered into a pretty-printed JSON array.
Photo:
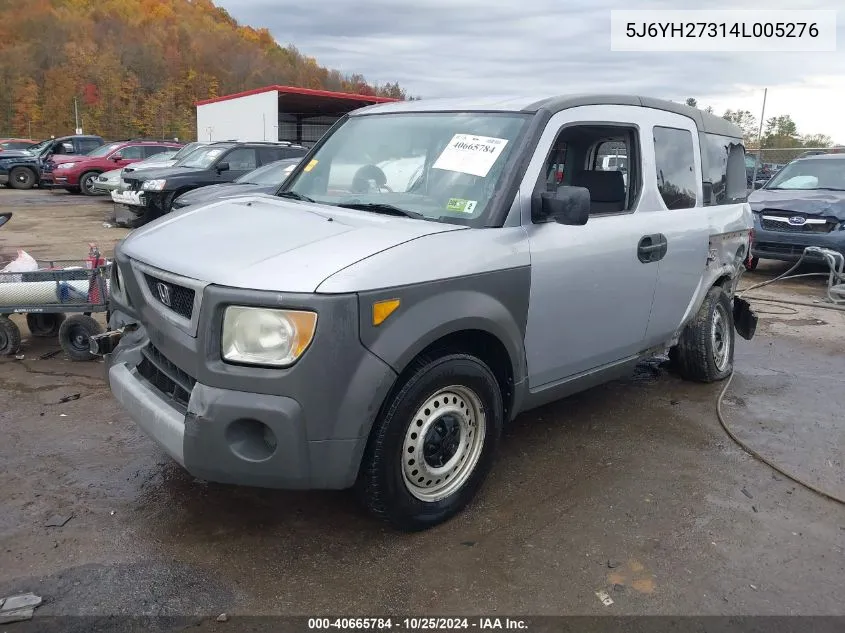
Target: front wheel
[
  {"x": 22, "y": 178},
  {"x": 705, "y": 351},
  {"x": 86, "y": 183},
  {"x": 433, "y": 443}
]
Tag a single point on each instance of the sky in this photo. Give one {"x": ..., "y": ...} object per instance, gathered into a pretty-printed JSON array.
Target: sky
[{"x": 440, "y": 48}]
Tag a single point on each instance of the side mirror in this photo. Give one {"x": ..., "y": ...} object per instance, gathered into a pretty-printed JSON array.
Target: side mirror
[
  {"x": 222, "y": 167},
  {"x": 567, "y": 205},
  {"x": 117, "y": 156},
  {"x": 5, "y": 217}
]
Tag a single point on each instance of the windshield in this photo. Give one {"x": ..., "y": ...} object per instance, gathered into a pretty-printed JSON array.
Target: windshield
[
  {"x": 202, "y": 157},
  {"x": 103, "y": 150},
  {"x": 272, "y": 174},
  {"x": 37, "y": 148},
  {"x": 160, "y": 157},
  {"x": 188, "y": 149},
  {"x": 439, "y": 166},
  {"x": 820, "y": 173}
]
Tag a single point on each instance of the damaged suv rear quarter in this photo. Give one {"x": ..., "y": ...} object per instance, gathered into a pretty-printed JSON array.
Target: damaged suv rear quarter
[{"x": 429, "y": 271}]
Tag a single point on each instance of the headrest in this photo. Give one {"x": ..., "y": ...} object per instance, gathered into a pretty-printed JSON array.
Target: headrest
[{"x": 604, "y": 186}]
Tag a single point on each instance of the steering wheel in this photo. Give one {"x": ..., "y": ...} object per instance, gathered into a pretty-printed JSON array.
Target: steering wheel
[{"x": 362, "y": 178}]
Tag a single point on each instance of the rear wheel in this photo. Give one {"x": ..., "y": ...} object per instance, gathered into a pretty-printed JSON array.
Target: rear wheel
[
  {"x": 10, "y": 337},
  {"x": 75, "y": 336},
  {"x": 86, "y": 183},
  {"x": 44, "y": 325},
  {"x": 433, "y": 443},
  {"x": 22, "y": 178},
  {"x": 705, "y": 351}
]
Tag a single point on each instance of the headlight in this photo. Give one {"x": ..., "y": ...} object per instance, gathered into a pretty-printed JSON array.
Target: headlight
[
  {"x": 153, "y": 185},
  {"x": 65, "y": 165},
  {"x": 263, "y": 336}
]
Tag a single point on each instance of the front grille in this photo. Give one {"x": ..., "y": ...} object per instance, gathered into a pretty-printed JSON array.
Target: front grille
[
  {"x": 783, "y": 225},
  {"x": 173, "y": 383},
  {"x": 177, "y": 298}
]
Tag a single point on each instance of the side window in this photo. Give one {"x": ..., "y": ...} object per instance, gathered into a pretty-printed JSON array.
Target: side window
[
  {"x": 602, "y": 159},
  {"x": 132, "y": 152},
  {"x": 87, "y": 145},
  {"x": 267, "y": 155},
  {"x": 241, "y": 159},
  {"x": 152, "y": 150},
  {"x": 723, "y": 164},
  {"x": 674, "y": 156}
]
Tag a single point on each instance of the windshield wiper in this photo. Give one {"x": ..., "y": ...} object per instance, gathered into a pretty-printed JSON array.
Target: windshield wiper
[
  {"x": 829, "y": 189},
  {"x": 293, "y": 195},
  {"x": 386, "y": 209}
]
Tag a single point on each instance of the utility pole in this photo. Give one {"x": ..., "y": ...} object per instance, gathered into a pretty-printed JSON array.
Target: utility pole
[
  {"x": 759, "y": 140},
  {"x": 76, "y": 116}
]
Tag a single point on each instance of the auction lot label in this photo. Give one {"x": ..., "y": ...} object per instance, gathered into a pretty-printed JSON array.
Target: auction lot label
[{"x": 470, "y": 154}]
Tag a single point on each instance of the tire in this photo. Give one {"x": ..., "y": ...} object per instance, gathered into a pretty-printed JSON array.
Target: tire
[
  {"x": 705, "y": 351},
  {"x": 10, "y": 337},
  {"x": 44, "y": 325},
  {"x": 751, "y": 264},
  {"x": 22, "y": 178},
  {"x": 86, "y": 182},
  {"x": 466, "y": 390},
  {"x": 75, "y": 334}
]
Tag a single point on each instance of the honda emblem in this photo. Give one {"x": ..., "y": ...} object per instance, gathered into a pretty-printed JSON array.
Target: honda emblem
[{"x": 163, "y": 293}]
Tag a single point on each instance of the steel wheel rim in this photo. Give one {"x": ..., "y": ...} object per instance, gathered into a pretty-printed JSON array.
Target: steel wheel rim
[
  {"x": 720, "y": 338},
  {"x": 22, "y": 177},
  {"x": 78, "y": 338},
  {"x": 443, "y": 443}
]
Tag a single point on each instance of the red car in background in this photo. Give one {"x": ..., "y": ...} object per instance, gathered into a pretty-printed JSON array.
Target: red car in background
[
  {"x": 16, "y": 143},
  {"x": 77, "y": 174}
]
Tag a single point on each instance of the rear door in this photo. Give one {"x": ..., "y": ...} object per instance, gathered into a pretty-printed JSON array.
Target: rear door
[{"x": 679, "y": 216}]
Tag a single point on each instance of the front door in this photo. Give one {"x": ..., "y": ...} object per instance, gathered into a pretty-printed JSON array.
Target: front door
[{"x": 592, "y": 286}]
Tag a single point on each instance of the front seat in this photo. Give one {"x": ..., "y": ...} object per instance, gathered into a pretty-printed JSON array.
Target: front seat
[{"x": 607, "y": 190}]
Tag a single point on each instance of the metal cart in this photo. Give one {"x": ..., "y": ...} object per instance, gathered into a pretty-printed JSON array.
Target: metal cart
[{"x": 47, "y": 296}]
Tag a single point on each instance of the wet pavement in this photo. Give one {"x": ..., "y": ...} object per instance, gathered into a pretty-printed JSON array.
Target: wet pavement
[{"x": 632, "y": 488}]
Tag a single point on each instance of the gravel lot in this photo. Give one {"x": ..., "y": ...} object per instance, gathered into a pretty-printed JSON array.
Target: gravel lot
[{"x": 631, "y": 488}]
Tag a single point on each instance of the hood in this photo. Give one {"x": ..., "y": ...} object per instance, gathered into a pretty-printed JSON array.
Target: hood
[
  {"x": 809, "y": 202},
  {"x": 264, "y": 243},
  {"x": 141, "y": 166},
  {"x": 156, "y": 173},
  {"x": 16, "y": 153},
  {"x": 223, "y": 190},
  {"x": 68, "y": 158}
]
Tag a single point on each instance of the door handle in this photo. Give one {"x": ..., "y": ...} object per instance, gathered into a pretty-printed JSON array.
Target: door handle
[{"x": 652, "y": 248}]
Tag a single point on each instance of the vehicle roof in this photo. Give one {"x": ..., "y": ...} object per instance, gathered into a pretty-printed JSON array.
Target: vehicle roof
[
  {"x": 820, "y": 157},
  {"x": 94, "y": 136},
  {"x": 553, "y": 104}
]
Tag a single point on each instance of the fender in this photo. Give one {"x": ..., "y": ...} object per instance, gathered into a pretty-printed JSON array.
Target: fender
[{"x": 494, "y": 302}]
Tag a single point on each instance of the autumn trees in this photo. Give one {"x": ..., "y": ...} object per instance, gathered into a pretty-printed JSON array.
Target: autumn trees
[{"x": 137, "y": 67}]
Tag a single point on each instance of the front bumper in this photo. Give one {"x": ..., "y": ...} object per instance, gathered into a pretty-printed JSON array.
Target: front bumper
[
  {"x": 304, "y": 427},
  {"x": 789, "y": 247}
]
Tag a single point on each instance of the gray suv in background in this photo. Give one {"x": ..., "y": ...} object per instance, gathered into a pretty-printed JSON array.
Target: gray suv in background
[{"x": 429, "y": 271}]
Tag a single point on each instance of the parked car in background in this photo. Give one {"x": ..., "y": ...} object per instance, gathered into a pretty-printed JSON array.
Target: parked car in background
[
  {"x": 16, "y": 143},
  {"x": 78, "y": 173},
  {"x": 763, "y": 172},
  {"x": 25, "y": 168},
  {"x": 151, "y": 192},
  {"x": 265, "y": 179},
  {"x": 804, "y": 205},
  {"x": 110, "y": 180},
  {"x": 172, "y": 160}
]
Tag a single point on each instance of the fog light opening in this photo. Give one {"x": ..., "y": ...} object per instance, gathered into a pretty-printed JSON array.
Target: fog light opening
[{"x": 251, "y": 440}]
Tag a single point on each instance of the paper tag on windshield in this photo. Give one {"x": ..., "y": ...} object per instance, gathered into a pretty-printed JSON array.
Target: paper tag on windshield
[{"x": 469, "y": 154}]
